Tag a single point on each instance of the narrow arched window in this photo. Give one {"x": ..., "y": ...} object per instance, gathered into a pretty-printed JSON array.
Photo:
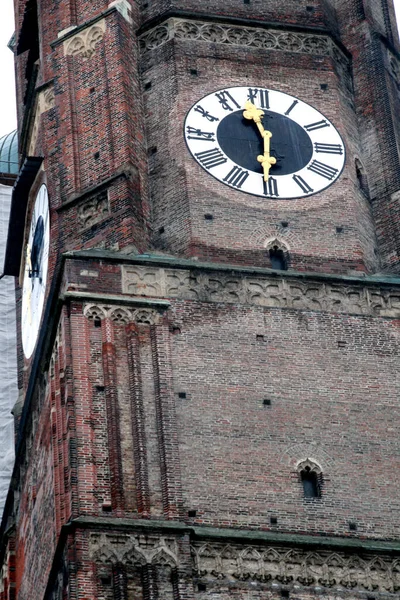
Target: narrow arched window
[
  {"x": 277, "y": 258},
  {"x": 311, "y": 478},
  {"x": 362, "y": 178},
  {"x": 311, "y": 487}
]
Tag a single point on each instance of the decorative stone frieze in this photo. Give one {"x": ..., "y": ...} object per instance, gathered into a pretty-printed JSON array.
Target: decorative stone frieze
[
  {"x": 133, "y": 549},
  {"x": 251, "y": 37},
  {"x": 338, "y": 571},
  {"x": 85, "y": 42},
  {"x": 269, "y": 39},
  {"x": 121, "y": 314},
  {"x": 268, "y": 291},
  {"x": 94, "y": 210},
  {"x": 45, "y": 101}
]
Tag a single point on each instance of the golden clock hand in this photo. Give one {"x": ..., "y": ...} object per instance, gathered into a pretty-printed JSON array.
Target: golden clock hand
[
  {"x": 267, "y": 160},
  {"x": 252, "y": 113}
]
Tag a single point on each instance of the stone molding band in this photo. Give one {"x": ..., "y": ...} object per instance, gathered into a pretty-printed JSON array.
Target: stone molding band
[
  {"x": 133, "y": 549},
  {"x": 121, "y": 314},
  {"x": 236, "y": 35},
  {"x": 270, "y": 292},
  {"x": 332, "y": 570},
  {"x": 262, "y": 564},
  {"x": 44, "y": 102}
]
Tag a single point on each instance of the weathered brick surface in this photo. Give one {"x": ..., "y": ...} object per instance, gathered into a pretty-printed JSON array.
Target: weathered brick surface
[
  {"x": 182, "y": 192},
  {"x": 302, "y": 13},
  {"x": 173, "y": 401}
]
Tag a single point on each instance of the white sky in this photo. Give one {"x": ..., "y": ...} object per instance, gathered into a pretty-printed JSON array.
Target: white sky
[{"x": 7, "y": 100}]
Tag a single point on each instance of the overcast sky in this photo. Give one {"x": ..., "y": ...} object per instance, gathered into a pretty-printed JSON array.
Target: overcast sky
[{"x": 8, "y": 120}]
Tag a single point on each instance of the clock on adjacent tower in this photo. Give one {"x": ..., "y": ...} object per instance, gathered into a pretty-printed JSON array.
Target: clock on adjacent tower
[
  {"x": 264, "y": 142},
  {"x": 35, "y": 273}
]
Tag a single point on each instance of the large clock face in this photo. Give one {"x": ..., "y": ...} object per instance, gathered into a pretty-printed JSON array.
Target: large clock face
[
  {"x": 35, "y": 274},
  {"x": 264, "y": 142}
]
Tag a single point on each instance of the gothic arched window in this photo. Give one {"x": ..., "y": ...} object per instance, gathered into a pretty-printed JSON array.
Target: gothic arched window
[
  {"x": 311, "y": 479},
  {"x": 278, "y": 255}
]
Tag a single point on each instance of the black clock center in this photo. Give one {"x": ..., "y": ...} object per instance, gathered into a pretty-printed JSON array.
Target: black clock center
[{"x": 242, "y": 142}]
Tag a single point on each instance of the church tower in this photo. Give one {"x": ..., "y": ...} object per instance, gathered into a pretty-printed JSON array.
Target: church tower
[{"x": 205, "y": 230}]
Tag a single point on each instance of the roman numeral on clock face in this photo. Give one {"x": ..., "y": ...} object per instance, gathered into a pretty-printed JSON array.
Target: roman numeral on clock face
[
  {"x": 227, "y": 101},
  {"x": 205, "y": 114},
  {"x": 317, "y": 125},
  {"x": 329, "y": 148},
  {"x": 211, "y": 158},
  {"x": 261, "y": 95},
  {"x": 197, "y": 134},
  {"x": 302, "y": 184},
  {"x": 270, "y": 186},
  {"x": 291, "y": 107},
  {"x": 324, "y": 170},
  {"x": 236, "y": 177}
]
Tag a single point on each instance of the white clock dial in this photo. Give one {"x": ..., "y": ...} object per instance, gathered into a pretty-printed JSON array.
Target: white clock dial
[
  {"x": 308, "y": 151},
  {"x": 35, "y": 274}
]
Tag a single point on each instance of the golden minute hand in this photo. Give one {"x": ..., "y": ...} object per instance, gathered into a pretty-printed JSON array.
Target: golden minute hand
[{"x": 252, "y": 113}]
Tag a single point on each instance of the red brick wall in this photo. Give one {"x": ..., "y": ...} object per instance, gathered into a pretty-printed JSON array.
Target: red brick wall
[
  {"x": 144, "y": 411},
  {"x": 182, "y": 193},
  {"x": 302, "y": 13},
  {"x": 332, "y": 403}
]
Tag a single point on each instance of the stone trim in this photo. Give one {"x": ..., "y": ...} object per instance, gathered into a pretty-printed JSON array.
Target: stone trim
[
  {"x": 45, "y": 101},
  {"x": 338, "y": 571},
  {"x": 273, "y": 291},
  {"x": 259, "y": 563},
  {"x": 131, "y": 549},
  {"x": 236, "y": 35},
  {"x": 121, "y": 314},
  {"x": 124, "y": 8},
  {"x": 268, "y": 38},
  {"x": 85, "y": 42}
]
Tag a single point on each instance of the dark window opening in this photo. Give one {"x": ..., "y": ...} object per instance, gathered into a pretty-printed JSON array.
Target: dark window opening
[
  {"x": 362, "y": 178},
  {"x": 311, "y": 483},
  {"x": 29, "y": 40},
  {"x": 277, "y": 258}
]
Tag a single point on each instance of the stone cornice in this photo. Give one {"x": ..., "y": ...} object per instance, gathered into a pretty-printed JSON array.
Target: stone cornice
[
  {"x": 166, "y": 260},
  {"x": 225, "y": 534},
  {"x": 268, "y": 291},
  {"x": 263, "y": 558},
  {"x": 259, "y": 36},
  {"x": 160, "y": 277}
]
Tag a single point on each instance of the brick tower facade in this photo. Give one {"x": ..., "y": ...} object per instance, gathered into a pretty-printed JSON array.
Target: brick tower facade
[{"x": 209, "y": 373}]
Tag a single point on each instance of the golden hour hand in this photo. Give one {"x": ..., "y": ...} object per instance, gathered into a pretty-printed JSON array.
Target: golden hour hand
[{"x": 252, "y": 113}]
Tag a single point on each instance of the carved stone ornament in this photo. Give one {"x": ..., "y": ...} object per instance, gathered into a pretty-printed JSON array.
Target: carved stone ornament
[
  {"x": 122, "y": 314},
  {"x": 333, "y": 570},
  {"x": 273, "y": 291},
  {"x": 309, "y": 464},
  {"x": 85, "y": 42},
  {"x": 133, "y": 549},
  {"x": 45, "y": 101},
  {"x": 252, "y": 37},
  {"x": 271, "y": 39},
  {"x": 93, "y": 210}
]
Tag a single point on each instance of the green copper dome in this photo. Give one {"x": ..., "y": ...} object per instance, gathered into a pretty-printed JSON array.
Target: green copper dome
[{"x": 9, "y": 153}]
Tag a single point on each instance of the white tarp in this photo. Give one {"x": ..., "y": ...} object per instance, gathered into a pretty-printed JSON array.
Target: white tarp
[{"x": 8, "y": 355}]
